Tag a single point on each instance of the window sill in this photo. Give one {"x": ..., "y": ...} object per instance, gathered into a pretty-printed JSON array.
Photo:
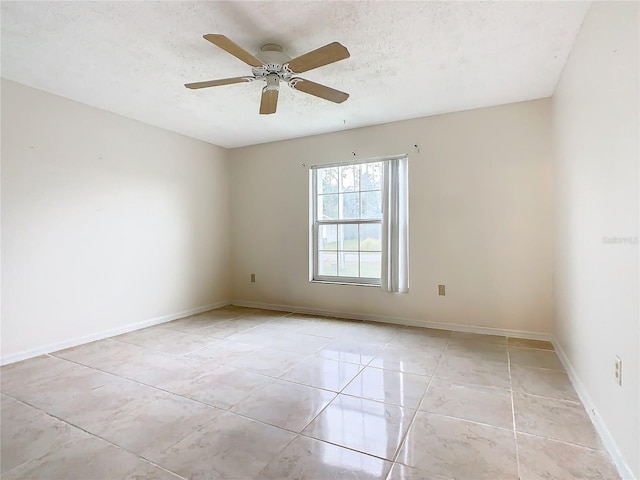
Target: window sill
[{"x": 327, "y": 282}]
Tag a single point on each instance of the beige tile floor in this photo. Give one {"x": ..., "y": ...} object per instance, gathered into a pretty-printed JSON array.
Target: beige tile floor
[{"x": 237, "y": 393}]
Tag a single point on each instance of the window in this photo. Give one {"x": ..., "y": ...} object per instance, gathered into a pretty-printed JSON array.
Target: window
[
  {"x": 360, "y": 223},
  {"x": 347, "y": 222}
]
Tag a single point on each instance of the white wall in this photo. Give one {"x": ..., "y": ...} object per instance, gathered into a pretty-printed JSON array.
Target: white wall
[
  {"x": 595, "y": 109},
  {"x": 105, "y": 221},
  {"x": 480, "y": 219}
]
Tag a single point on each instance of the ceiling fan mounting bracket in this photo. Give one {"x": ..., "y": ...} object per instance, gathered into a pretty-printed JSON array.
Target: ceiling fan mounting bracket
[
  {"x": 271, "y": 47},
  {"x": 275, "y": 63}
]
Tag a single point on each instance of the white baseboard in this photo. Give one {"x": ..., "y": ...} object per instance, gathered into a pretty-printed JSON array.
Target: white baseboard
[
  {"x": 54, "y": 347},
  {"x": 399, "y": 321},
  {"x": 606, "y": 437}
]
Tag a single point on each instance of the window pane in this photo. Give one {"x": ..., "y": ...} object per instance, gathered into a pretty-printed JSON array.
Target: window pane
[
  {"x": 370, "y": 264},
  {"x": 350, "y": 178},
  {"x": 327, "y": 263},
  {"x": 348, "y": 264},
  {"x": 328, "y": 207},
  {"x": 327, "y": 180},
  {"x": 349, "y": 205},
  {"x": 371, "y": 237},
  {"x": 348, "y": 237},
  {"x": 371, "y": 204},
  {"x": 370, "y": 176},
  {"x": 327, "y": 237},
  {"x": 348, "y": 193}
]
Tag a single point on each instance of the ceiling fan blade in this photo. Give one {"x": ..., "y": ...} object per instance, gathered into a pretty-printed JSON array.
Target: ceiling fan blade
[
  {"x": 232, "y": 48},
  {"x": 318, "y": 90},
  {"x": 317, "y": 58},
  {"x": 269, "y": 101},
  {"x": 217, "y": 83}
]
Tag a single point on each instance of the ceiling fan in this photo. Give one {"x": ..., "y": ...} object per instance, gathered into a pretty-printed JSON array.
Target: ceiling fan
[{"x": 273, "y": 66}]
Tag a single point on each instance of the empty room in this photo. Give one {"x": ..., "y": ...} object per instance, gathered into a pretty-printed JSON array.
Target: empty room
[{"x": 320, "y": 240}]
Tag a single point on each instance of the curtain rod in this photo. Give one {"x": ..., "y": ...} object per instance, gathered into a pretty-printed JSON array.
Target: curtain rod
[{"x": 357, "y": 162}]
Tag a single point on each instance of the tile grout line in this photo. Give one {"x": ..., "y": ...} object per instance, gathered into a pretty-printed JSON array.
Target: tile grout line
[
  {"x": 406, "y": 434},
  {"x": 341, "y": 393},
  {"x": 218, "y": 365},
  {"x": 155, "y": 387},
  {"x": 537, "y": 395},
  {"x": 275, "y": 457},
  {"x": 222, "y": 411},
  {"x": 296, "y": 434},
  {"x": 351, "y": 449},
  {"x": 260, "y": 348},
  {"x": 74, "y": 426},
  {"x": 564, "y": 442},
  {"x": 334, "y": 398},
  {"x": 195, "y": 332},
  {"x": 466, "y": 420},
  {"x": 229, "y": 410},
  {"x": 513, "y": 415},
  {"x": 338, "y": 393}
]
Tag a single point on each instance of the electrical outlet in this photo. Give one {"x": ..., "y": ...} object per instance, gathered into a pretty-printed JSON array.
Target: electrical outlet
[
  {"x": 619, "y": 370},
  {"x": 441, "y": 290},
  {"x": 253, "y": 278}
]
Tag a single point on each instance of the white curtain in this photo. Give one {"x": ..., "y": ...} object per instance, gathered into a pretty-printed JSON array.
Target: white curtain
[{"x": 395, "y": 226}]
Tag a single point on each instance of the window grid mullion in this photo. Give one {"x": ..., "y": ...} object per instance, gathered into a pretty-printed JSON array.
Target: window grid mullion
[
  {"x": 335, "y": 193},
  {"x": 359, "y": 260},
  {"x": 314, "y": 227},
  {"x": 363, "y": 221}
]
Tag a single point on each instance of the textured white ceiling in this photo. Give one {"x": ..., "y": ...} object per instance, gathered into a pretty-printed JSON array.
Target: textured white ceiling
[{"x": 408, "y": 59}]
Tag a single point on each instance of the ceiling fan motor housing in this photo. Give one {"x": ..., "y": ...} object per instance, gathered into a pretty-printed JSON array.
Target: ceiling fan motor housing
[{"x": 274, "y": 64}]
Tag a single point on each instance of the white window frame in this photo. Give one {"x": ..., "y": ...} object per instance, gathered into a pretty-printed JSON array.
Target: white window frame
[{"x": 315, "y": 224}]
